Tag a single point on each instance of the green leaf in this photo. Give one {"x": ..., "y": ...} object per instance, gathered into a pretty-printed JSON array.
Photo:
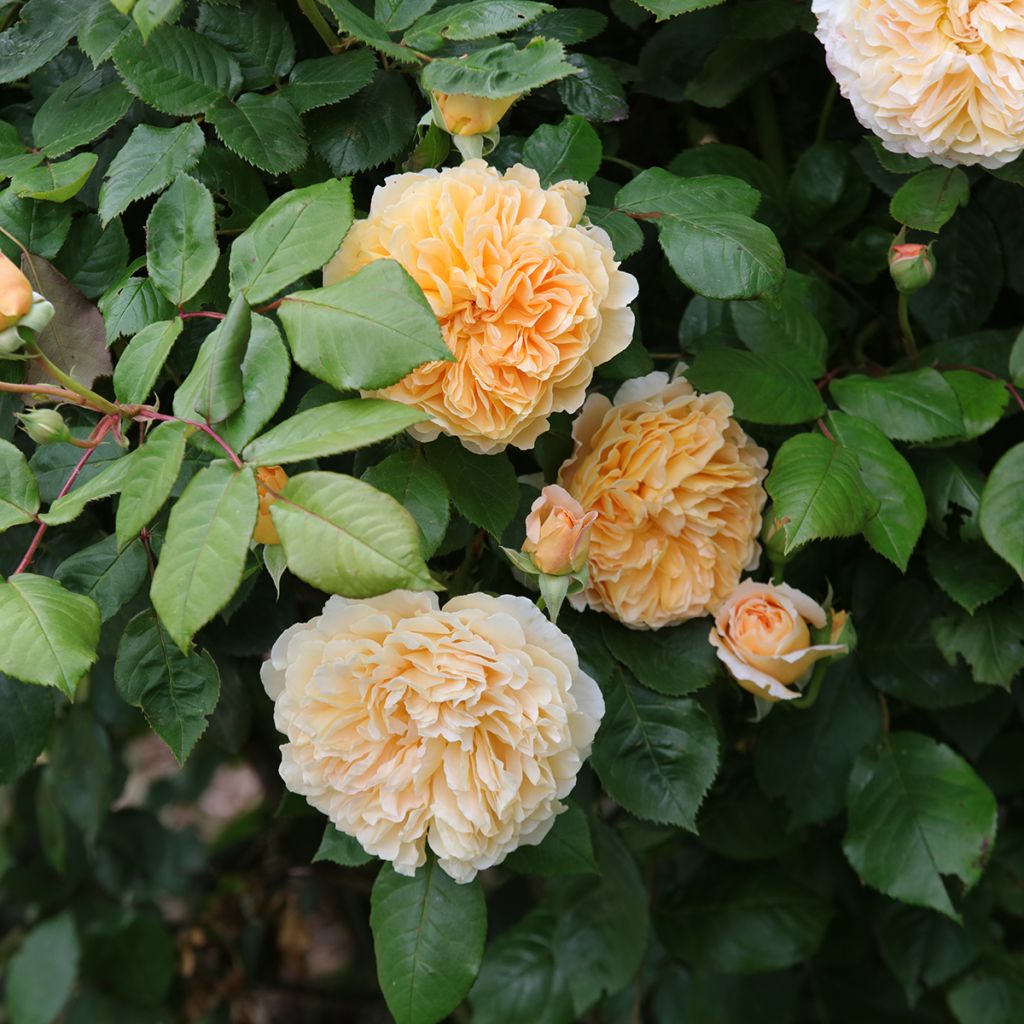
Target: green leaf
[
  {"x": 151, "y": 476},
  {"x": 570, "y": 149},
  {"x": 364, "y": 28},
  {"x": 484, "y": 487},
  {"x": 969, "y": 572},
  {"x": 992, "y": 992},
  {"x": 130, "y": 308},
  {"x": 346, "y": 537},
  {"x": 41, "y": 32},
  {"x": 220, "y": 375},
  {"x": 805, "y": 756},
  {"x": 817, "y": 490},
  {"x": 408, "y": 478},
  {"x": 681, "y": 662},
  {"x": 176, "y": 691},
  {"x": 259, "y": 40},
  {"x": 331, "y": 429},
  {"x": 339, "y": 848},
  {"x": 991, "y": 642},
  {"x": 84, "y": 796},
  {"x": 24, "y": 727},
  {"x": 462, "y": 21},
  {"x": 150, "y": 14},
  {"x": 917, "y": 812},
  {"x": 57, "y": 632},
  {"x": 78, "y": 111},
  {"x": 181, "y": 247},
  {"x": 142, "y": 360},
  {"x": 108, "y": 575},
  {"x": 325, "y": 80},
  {"x": 927, "y": 200},
  {"x": 295, "y": 235},
  {"x": 1017, "y": 360},
  {"x": 626, "y": 235},
  {"x": 204, "y": 552},
  {"x": 894, "y": 530},
  {"x": 742, "y": 921},
  {"x": 388, "y": 325},
  {"x": 655, "y": 755},
  {"x": 428, "y": 937},
  {"x": 764, "y": 389},
  {"x": 103, "y": 27},
  {"x": 265, "y": 130},
  {"x": 41, "y": 974},
  {"x": 19, "y": 492},
  {"x": 595, "y": 92},
  {"x": 658, "y": 195},
  {"x": 565, "y": 850},
  {"x": 665, "y": 9},
  {"x": 104, "y": 478},
  {"x": 368, "y": 129},
  {"x": 41, "y": 227},
  {"x": 93, "y": 256},
  {"x": 177, "y": 71},
  {"x": 982, "y": 400},
  {"x": 55, "y": 183},
  {"x": 396, "y": 15},
  {"x": 1002, "y": 525},
  {"x": 149, "y": 160},
  {"x": 497, "y": 71}
]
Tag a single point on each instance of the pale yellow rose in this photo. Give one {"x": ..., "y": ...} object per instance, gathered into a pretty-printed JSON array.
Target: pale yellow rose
[
  {"x": 15, "y": 294},
  {"x": 942, "y": 79},
  {"x": 762, "y": 635},
  {"x": 528, "y": 301},
  {"x": 558, "y": 532},
  {"x": 465, "y": 114},
  {"x": 462, "y": 727},
  {"x": 677, "y": 487}
]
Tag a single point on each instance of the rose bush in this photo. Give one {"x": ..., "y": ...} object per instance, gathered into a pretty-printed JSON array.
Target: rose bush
[{"x": 510, "y": 513}]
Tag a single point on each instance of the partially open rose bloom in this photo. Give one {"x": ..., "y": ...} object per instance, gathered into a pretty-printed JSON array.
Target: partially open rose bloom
[
  {"x": 677, "y": 487},
  {"x": 528, "y": 300},
  {"x": 762, "y": 635},
  {"x": 558, "y": 532},
  {"x": 464, "y": 114},
  {"x": 461, "y": 727},
  {"x": 270, "y": 481},
  {"x": 942, "y": 79}
]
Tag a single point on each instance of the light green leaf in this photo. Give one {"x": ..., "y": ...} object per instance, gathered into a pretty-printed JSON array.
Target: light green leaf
[
  {"x": 151, "y": 476},
  {"x": 916, "y": 406},
  {"x": 1002, "y": 524},
  {"x": 142, "y": 360},
  {"x": 916, "y": 812},
  {"x": 817, "y": 490},
  {"x": 894, "y": 530},
  {"x": 220, "y": 374},
  {"x": 177, "y": 71},
  {"x": 78, "y": 111},
  {"x": 176, "y": 691},
  {"x": 24, "y": 726},
  {"x": 681, "y": 662},
  {"x": 130, "y": 308},
  {"x": 461, "y": 21},
  {"x": 41, "y": 974},
  {"x": 41, "y": 227},
  {"x": 428, "y": 937},
  {"x": 388, "y": 325},
  {"x": 408, "y": 478},
  {"x": 93, "y": 487},
  {"x": 149, "y": 160},
  {"x": 339, "y": 848},
  {"x": 295, "y": 235},
  {"x": 497, "y": 71},
  {"x": 331, "y": 429},
  {"x": 982, "y": 400},
  {"x": 325, "y": 80},
  {"x": 764, "y": 389},
  {"x": 111, "y": 577},
  {"x": 345, "y": 537},
  {"x": 181, "y": 246},
  {"x": 260, "y": 40},
  {"x": 265, "y": 130},
  {"x": 55, "y": 183},
  {"x": 57, "y": 632},
  {"x": 570, "y": 149},
  {"x": 204, "y": 552},
  {"x": 927, "y": 200},
  {"x": 19, "y": 492},
  {"x": 655, "y": 755}
]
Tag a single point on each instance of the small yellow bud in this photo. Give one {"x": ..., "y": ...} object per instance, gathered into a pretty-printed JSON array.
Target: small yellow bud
[
  {"x": 464, "y": 114},
  {"x": 268, "y": 479}
]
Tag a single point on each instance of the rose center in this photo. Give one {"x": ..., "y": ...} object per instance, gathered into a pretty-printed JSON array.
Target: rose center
[{"x": 958, "y": 25}]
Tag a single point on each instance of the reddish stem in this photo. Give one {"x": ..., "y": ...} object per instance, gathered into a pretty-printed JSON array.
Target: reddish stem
[
  {"x": 269, "y": 306},
  {"x": 205, "y": 428},
  {"x": 825, "y": 430},
  {"x": 985, "y": 373},
  {"x": 212, "y": 316},
  {"x": 97, "y": 435}
]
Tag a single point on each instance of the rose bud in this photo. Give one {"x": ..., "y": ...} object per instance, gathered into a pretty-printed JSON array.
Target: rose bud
[
  {"x": 911, "y": 265},
  {"x": 763, "y": 635},
  {"x": 464, "y": 114},
  {"x": 45, "y": 426},
  {"x": 268, "y": 479},
  {"x": 558, "y": 532},
  {"x": 15, "y": 304}
]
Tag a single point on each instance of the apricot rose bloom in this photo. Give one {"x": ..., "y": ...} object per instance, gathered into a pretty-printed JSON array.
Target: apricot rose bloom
[
  {"x": 942, "y": 79},
  {"x": 762, "y": 635},
  {"x": 558, "y": 532},
  {"x": 677, "y": 487},
  {"x": 465, "y": 114},
  {"x": 461, "y": 727},
  {"x": 270, "y": 481},
  {"x": 529, "y": 301}
]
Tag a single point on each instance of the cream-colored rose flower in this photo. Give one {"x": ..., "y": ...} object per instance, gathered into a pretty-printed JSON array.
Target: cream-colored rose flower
[
  {"x": 528, "y": 301},
  {"x": 677, "y": 487},
  {"x": 465, "y": 114},
  {"x": 942, "y": 79},
  {"x": 762, "y": 635},
  {"x": 461, "y": 727},
  {"x": 558, "y": 532}
]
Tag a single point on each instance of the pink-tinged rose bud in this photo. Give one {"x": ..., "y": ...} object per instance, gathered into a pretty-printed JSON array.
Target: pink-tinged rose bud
[
  {"x": 464, "y": 114},
  {"x": 911, "y": 265},
  {"x": 558, "y": 532}
]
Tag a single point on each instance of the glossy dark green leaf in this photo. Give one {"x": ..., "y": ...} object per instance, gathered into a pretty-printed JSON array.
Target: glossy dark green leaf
[
  {"x": 109, "y": 575},
  {"x": 681, "y": 662},
  {"x": 24, "y": 726}
]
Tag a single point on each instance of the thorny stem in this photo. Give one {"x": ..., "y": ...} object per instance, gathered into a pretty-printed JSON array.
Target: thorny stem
[
  {"x": 49, "y": 390},
  {"x": 909, "y": 341},
  {"x": 149, "y": 414}
]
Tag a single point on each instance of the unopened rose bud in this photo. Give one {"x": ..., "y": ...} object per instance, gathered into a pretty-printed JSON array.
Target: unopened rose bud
[
  {"x": 841, "y": 631},
  {"x": 773, "y": 538},
  {"x": 558, "y": 532},
  {"x": 45, "y": 426},
  {"x": 911, "y": 265},
  {"x": 270, "y": 481},
  {"x": 464, "y": 114}
]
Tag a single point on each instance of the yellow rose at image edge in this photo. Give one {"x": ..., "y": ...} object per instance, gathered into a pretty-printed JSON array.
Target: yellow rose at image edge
[
  {"x": 268, "y": 479},
  {"x": 15, "y": 293}
]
